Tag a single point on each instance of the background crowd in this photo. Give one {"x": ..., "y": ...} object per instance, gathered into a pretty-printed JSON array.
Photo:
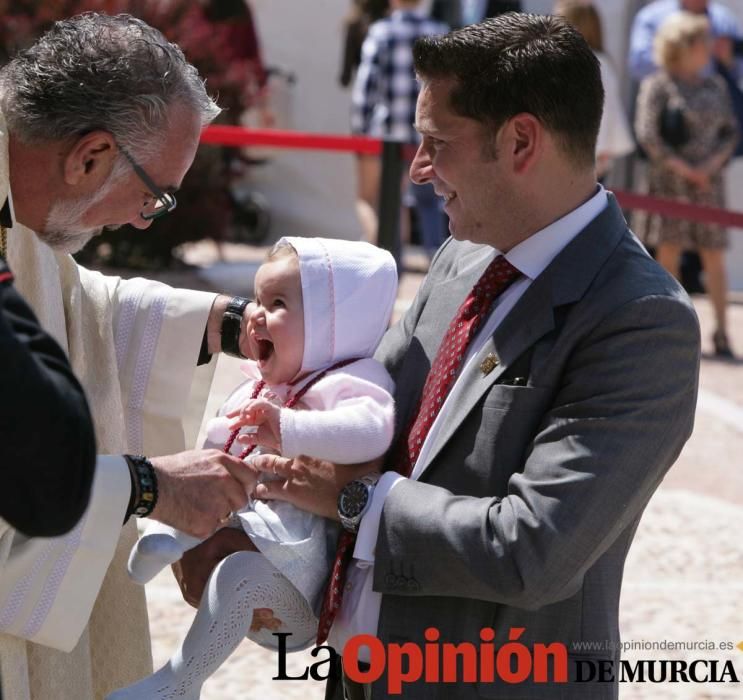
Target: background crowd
[{"x": 672, "y": 137}]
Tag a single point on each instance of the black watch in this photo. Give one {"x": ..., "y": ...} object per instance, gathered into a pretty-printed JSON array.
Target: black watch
[
  {"x": 355, "y": 499},
  {"x": 231, "y": 324}
]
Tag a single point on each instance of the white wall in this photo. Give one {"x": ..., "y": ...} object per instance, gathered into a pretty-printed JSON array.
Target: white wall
[{"x": 311, "y": 192}]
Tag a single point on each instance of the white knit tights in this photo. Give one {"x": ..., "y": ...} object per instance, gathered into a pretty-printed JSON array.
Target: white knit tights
[{"x": 241, "y": 583}]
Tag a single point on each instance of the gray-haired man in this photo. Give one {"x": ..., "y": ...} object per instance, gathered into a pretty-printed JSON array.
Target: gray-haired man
[{"x": 99, "y": 122}]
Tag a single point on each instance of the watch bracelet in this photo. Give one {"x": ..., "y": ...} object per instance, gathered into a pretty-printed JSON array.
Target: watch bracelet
[
  {"x": 231, "y": 324},
  {"x": 370, "y": 481}
]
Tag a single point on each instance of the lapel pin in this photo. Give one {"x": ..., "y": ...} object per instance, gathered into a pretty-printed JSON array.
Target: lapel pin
[{"x": 489, "y": 363}]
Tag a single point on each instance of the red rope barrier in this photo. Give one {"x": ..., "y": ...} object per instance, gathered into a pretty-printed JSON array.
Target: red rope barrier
[
  {"x": 676, "y": 209},
  {"x": 240, "y": 136}
]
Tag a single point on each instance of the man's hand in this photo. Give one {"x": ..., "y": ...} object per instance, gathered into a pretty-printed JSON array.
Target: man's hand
[
  {"x": 309, "y": 484},
  {"x": 263, "y": 414},
  {"x": 193, "y": 570},
  {"x": 198, "y": 489}
]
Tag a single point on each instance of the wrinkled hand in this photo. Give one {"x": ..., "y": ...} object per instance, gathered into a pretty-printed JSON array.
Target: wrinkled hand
[
  {"x": 309, "y": 484},
  {"x": 261, "y": 413},
  {"x": 198, "y": 489},
  {"x": 193, "y": 571}
]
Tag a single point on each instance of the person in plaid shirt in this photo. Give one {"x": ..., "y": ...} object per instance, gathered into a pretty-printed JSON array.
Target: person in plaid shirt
[{"x": 383, "y": 106}]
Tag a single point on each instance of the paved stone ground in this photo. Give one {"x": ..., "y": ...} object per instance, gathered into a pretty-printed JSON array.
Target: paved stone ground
[{"x": 684, "y": 574}]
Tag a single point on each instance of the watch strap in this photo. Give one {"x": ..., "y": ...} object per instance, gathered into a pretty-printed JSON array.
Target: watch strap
[{"x": 231, "y": 325}]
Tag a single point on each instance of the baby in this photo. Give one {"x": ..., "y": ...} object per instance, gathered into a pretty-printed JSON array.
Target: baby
[{"x": 322, "y": 308}]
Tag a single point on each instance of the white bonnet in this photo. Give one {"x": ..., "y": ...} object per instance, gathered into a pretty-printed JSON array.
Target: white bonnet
[{"x": 348, "y": 291}]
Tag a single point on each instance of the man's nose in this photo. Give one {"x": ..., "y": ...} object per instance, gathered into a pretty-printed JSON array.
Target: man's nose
[{"x": 421, "y": 170}]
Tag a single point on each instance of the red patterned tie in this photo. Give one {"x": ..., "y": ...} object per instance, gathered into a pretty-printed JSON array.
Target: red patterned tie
[
  {"x": 442, "y": 375},
  {"x": 448, "y": 361}
]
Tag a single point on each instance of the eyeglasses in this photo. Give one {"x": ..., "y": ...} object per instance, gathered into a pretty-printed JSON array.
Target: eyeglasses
[{"x": 164, "y": 201}]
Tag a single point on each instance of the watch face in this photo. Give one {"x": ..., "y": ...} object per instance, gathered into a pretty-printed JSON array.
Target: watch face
[{"x": 353, "y": 499}]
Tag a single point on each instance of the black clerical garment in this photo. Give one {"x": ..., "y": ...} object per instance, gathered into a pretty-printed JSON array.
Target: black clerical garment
[{"x": 47, "y": 446}]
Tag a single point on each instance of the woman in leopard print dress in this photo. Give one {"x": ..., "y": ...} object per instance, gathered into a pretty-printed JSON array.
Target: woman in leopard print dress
[{"x": 691, "y": 170}]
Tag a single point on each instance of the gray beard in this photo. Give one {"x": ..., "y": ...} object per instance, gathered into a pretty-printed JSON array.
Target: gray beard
[{"x": 64, "y": 231}]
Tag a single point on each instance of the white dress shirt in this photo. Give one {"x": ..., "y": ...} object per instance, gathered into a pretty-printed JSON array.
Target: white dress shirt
[{"x": 359, "y": 612}]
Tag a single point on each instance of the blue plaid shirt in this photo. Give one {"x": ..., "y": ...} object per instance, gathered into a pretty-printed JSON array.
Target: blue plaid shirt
[{"x": 385, "y": 91}]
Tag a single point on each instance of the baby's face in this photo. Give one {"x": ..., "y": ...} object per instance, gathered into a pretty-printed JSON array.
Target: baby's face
[{"x": 276, "y": 327}]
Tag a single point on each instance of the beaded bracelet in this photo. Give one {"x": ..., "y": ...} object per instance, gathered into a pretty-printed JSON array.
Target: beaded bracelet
[{"x": 145, "y": 485}]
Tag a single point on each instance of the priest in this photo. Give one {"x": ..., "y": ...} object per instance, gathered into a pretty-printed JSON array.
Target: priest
[{"x": 99, "y": 122}]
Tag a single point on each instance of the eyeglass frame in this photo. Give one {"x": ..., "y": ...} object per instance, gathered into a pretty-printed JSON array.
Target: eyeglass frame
[{"x": 166, "y": 199}]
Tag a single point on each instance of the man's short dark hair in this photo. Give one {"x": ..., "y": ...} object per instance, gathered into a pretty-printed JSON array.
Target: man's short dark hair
[{"x": 518, "y": 63}]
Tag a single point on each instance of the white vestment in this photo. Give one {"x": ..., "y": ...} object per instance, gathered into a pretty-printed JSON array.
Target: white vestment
[{"x": 134, "y": 345}]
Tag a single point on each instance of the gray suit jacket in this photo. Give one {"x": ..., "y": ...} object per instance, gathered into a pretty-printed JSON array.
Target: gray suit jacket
[{"x": 534, "y": 489}]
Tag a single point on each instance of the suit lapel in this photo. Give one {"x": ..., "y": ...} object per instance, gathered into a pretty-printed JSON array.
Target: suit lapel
[
  {"x": 444, "y": 301},
  {"x": 510, "y": 340},
  {"x": 564, "y": 281}
]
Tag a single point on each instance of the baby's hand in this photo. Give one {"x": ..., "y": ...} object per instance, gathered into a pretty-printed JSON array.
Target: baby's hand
[{"x": 265, "y": 416}]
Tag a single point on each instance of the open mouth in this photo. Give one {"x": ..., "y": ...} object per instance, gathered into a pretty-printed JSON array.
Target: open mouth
[
  {"x": 265, "y": 349},
  {"x": 449, "y": 196}
]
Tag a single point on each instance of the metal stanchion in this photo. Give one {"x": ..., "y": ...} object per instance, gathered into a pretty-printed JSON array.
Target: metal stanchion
[{"x": 390, "y": 200}]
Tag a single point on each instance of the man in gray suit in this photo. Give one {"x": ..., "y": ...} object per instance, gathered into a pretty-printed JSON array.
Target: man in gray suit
[{"x": 573, "y": 396}]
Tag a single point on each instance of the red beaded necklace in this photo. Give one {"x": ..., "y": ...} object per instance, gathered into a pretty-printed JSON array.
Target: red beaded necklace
[{"x": 290, "y": 403}]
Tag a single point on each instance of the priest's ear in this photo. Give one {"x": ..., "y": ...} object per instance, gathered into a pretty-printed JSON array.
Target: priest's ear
[{"x": 90, "y": 160}]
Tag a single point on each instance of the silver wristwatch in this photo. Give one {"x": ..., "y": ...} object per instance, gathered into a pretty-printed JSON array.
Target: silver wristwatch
[{"x": 354, "y": 500}]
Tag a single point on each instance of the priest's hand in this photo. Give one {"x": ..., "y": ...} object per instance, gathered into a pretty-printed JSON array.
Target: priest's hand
[
  {"x": 309, "y": 484},
  {"x": 199, "y": 489}
]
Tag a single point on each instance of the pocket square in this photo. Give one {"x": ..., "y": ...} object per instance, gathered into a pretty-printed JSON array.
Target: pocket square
[{"x": 514, "y": 381}]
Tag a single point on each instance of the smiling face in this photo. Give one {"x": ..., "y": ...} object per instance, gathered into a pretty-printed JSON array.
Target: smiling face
[
  {"x": 72, "y": 221},
  {"x": 276, "y": 328},
  {"x": 459, "y": 157}
]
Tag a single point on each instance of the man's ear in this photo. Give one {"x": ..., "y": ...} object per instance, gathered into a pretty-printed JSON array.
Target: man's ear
[
  {"x": 527, "y": 133},
  {"x": 90, "y": 160}
]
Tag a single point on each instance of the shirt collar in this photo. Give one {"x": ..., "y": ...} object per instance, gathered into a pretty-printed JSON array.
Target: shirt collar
[{"x": 532, "y": 256}]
